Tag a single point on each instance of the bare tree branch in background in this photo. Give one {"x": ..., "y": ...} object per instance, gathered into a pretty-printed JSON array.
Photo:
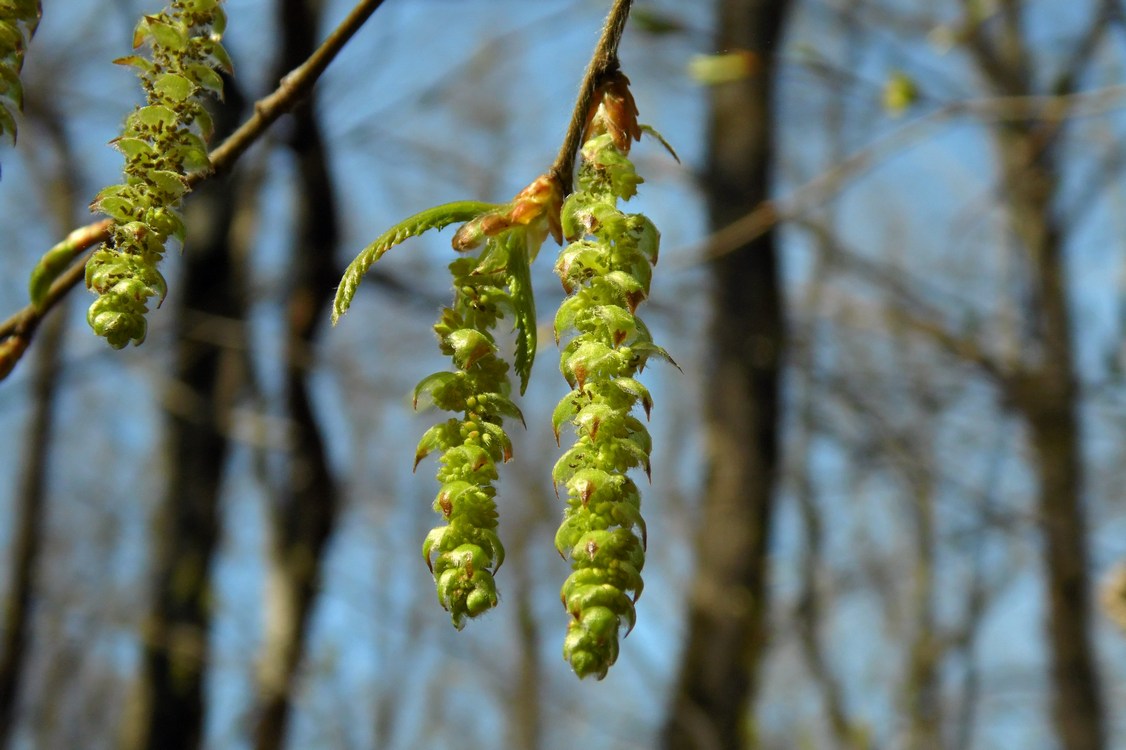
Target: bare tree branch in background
[
  {"x": 812, "y": 601},
  {"x": 909, "y": 445},
  {"x": 1046, "y": 390},
  {"x": 978, "y": 597},
  {"x": 1001, "y": 110},
  {"x": 728, "y": 611},
  {"x": 207, "y": 379},
  {"x": 807, "y": 321},
  {"x": 305, "y": 508}
]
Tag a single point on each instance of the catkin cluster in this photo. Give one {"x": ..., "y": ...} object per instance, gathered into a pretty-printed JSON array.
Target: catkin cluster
[
  {"x": 18, "y": 19},
  {"x": 162, "y": 141},
  {"x": 606, "y": 271}
]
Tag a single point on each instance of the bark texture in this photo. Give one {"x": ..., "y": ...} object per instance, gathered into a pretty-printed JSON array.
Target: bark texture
[
  {"x": 1044, "y": 389},
  {"x": 207, "y": 377},
  {"x": 727, "y": 623},
  {"x": 305, "y": 510}
]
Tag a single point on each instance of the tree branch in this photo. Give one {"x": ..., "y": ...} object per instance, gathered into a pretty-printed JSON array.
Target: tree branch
[
  {"x": 292, "y": 88},
  {"x": 828, "y": 184},
  {"x": 17, "y": 331},
  {"x": 603, "y": 61}
]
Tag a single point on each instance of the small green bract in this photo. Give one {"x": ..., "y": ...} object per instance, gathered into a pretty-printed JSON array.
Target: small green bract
[{"x": 18, "y": 21}]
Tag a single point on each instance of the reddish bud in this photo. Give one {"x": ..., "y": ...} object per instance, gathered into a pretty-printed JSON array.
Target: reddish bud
[
  {"x": 614, "y": 111},
  {"x": 538, "y": 205},
  {"x": 536, "y": 208}
]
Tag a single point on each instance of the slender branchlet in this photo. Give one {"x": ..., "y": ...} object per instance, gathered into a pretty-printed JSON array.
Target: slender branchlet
[
  {"x": 603, "y": 63},
  {"x": 18, "y": 20},
  {"x": 162, "y": 142},
  {"x": 606, "y": 271},
  {"x": 465, "y": 552}
]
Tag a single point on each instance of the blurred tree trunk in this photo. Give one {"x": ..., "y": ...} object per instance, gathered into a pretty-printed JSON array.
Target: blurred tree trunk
[
  {"x": 27, "y": 532},
  {"x": 1045, "y": 389},
  {"x": 727, "y": 622},
  {"x": 1046, "y": 393},
  {"x": 207, "y": 376},
  {"x": 305, "y": 511},
  {"x": 29, "y": 509}
]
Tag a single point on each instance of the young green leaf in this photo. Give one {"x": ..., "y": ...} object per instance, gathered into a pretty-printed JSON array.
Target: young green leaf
[
  {"x": 422, "y": 222},
  {"x": 524, "y": 307}
]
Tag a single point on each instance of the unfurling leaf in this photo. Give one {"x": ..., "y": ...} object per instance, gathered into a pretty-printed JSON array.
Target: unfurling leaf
[
  {"x": 524, "y": 307},
  {"x": 422, "y": 222}
]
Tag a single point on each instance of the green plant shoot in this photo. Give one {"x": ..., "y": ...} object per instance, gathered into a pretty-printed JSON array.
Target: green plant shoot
[
  {"x": 162, "y": 142},
  {"x": 465, "y": 552}
]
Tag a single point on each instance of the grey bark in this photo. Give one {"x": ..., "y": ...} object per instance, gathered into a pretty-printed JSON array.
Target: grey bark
[{"x": 727, "y": 621}]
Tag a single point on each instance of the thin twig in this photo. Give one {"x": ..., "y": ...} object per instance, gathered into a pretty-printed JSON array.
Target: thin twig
[
  {"x": 289, "y": 92},
  {"x": 763, "y": 217},
  {"x": 603, "y": 61},
  {"x": 17, "y": 331}
]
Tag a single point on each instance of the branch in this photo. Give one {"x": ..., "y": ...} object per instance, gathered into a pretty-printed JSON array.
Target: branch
[
  {"x": 1071, "y": 73},
  {"x": 823, "y": 187},
  {"x": 915, "y": 312},
  {"x": 17, "y": 331},
  {"x": 603, "y": 61},
  {"x": 293, "y": 87}
]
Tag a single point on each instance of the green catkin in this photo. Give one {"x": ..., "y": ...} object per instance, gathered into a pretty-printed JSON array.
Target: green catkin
[
  {"x": 162, "y": 142},
  {"x": 18, "y": 21},
  {"x": 466, "y": 551},
  {"x": 605, "y": 270}
]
